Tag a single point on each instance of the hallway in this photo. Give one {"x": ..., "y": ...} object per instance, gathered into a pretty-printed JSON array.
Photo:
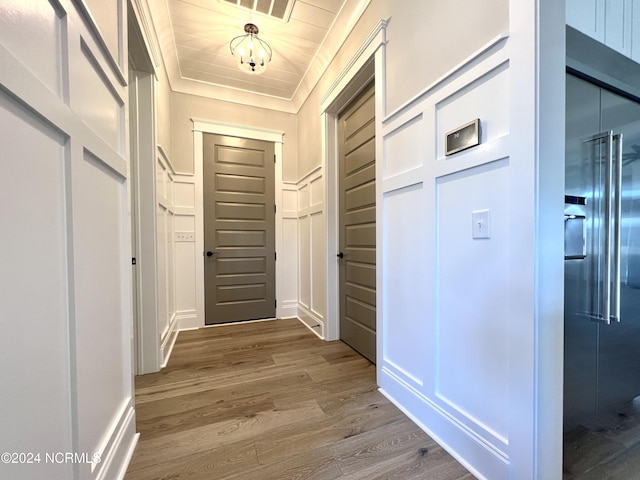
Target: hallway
[{"x": 270, "y": 400}]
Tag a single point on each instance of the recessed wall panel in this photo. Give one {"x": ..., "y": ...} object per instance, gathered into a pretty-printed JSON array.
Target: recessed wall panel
[
  {"x": 102, "y": 329},
  {"x": 185, "y": 194},
  {"x": 289, "y": 253},
  {"x": 318, "y": 262},
  {"x": 472, "y": 333},
  {"x": 304, "y": 234},
  {"x": 185, "y": 275},
  {"x": 94, "y": 99},
  {"x": 290, "y": 201},
  {"x": 161, "y": 252},
  {"x": 405, "y": 285},
  {"x": 317, "y": 191},
  {"x": 304, "y": 197},
  {"x": 36, "y": 31},
  {"x": 486, "y": 98},
  {"x": 161, "y": 180},
  {"x": 404, "y": 148},
  {"x": 171, "y": 276},
  {"x": 33, "y": 313},
  {"x": 106, "y": 14},
  {"x": 185, "y": 223}
]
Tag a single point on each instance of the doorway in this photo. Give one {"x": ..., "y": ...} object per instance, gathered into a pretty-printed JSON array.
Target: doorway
[
  {"x": 239, "y": 229},
  {"x": 357, "y": 224},
  {"x": 602, "y": 274},
  {"x": 142, "y": 144}
]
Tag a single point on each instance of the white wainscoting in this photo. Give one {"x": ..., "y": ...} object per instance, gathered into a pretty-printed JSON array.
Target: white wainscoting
[
  {"x": 445, "y": 312},
  {"x": 186, "y": 257},
  {"x": 312, "y": 248},
  {"x": 288, "y": 253},
  {"x": 166, "y": 252},
  {"x": 66, "y": 311},
  {"x": 613, "y": 23}
]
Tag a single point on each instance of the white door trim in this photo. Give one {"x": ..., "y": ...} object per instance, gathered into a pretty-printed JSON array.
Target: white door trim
[
  {"x": 200, "y": 127},
  {"x": 367, "y": 63}
]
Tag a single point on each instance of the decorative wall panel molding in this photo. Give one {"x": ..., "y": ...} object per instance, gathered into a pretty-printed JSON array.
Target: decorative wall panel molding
[
  {"x": 62, "y": 106},
  {"x": 440, "y": 340}
]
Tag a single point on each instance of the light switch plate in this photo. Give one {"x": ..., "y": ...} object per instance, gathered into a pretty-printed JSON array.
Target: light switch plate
[{"x": 481, "y": 224}]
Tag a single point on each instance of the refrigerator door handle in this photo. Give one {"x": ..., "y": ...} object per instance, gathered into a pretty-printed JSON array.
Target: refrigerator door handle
[
  {"x": 617, "y": 218},
  {"x": 605, "y": 307}
]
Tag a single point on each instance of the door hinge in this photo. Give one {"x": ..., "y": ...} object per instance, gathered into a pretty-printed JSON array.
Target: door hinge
[
  {"x": 274, "y": 158},
  {"x": 133, "y": 261},
  {"x": 275, "y": 255},
  {"x": 275, "y": 303},
  {"x": 275, "y": 209}
]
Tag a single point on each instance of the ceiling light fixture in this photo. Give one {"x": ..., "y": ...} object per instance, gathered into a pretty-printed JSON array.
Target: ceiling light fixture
[{"x": 251, "y": 52}]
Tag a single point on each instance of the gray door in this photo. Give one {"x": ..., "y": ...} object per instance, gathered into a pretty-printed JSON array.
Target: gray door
[
  {"x": 357, "y": 238},
  {"x": 239, "y": 229}
]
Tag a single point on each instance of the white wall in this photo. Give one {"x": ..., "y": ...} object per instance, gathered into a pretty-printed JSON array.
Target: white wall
[
  {"x": 311, "y": 249},
  {"x": 469, "y": 330},
  {"x": 471, "y": 327},
  {"x": 166, "y": 247},
  {"x": 66, "y": 350}
]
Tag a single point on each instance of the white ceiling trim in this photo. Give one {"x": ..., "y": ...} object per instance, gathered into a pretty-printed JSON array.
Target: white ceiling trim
[{"x": 340, "y": 30}]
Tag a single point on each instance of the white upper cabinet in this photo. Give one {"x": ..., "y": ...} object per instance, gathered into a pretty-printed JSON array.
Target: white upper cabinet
[{"x": 616, "y": 23}]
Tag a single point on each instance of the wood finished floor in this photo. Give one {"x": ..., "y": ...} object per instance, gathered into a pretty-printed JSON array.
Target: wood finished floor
[
  {"x": 608, "y": 449},
  {"x": 270, "y": 400}
]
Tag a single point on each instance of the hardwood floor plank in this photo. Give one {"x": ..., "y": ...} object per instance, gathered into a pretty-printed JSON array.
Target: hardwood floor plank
[
  {"x": 300, "y": 437},
  {"x": 208, "y": 437},
  {"x": 316, "y": 464},
  {"x": 220, "y": 462},
  {"x": 269, "y": 400}
]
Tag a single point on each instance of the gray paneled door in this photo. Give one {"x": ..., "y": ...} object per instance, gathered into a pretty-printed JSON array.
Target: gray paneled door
[
  {"x": 239, "y": 229},
  {"x": 357, "y": 238}
]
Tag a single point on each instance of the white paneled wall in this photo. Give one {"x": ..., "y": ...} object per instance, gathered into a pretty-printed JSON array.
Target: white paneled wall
[
  {"x": 66, "y": 316},
  {"x": 166, "y": 252},
  {"x": 288, "y": 256},
  {"x": 312, "y": 246},
  {"x": 446, "y": 319},
  {"x": 185, "y": 245},
  {"x": 616, "y": 23}
]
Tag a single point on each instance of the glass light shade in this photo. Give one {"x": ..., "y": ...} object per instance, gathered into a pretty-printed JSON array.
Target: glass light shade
[{"x": 252, "y": 54}]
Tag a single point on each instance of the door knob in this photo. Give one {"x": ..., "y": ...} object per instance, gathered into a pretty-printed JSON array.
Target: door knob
[
  {"x": 211, "y": 254},
  {"x": 340, "y": 255}
]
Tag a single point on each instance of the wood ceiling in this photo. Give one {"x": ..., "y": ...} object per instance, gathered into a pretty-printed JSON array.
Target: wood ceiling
[{"x": 200, "y": 32}]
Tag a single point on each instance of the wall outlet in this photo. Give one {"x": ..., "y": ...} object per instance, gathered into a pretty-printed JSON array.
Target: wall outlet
[{"x": 185, "y": 237}]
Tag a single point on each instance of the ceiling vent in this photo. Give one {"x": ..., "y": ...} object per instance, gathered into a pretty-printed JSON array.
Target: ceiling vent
[{"x": 280, "y": 9}]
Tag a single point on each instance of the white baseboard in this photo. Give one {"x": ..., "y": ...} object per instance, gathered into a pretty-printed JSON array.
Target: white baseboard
[
  {"x": 482, "y": 459},
  {"x": 311, "y": 320},
  {"x": 115, "y": 457},
  {"x": 288, "y": 309},
  {"x": 169, "y": 340},
  {"x": 188, "y": 320}
]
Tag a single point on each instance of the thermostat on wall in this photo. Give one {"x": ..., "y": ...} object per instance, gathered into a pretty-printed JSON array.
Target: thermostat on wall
[{"x": 466, "y": 136}]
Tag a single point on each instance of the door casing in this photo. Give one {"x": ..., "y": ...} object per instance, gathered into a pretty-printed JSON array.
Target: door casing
[
  {"x": 366, "y": 66},
  {"x": 200, "y": 127}
]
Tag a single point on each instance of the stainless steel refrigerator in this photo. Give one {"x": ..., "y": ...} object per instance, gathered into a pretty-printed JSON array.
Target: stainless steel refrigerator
[{"x": 602, "y": 254}]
